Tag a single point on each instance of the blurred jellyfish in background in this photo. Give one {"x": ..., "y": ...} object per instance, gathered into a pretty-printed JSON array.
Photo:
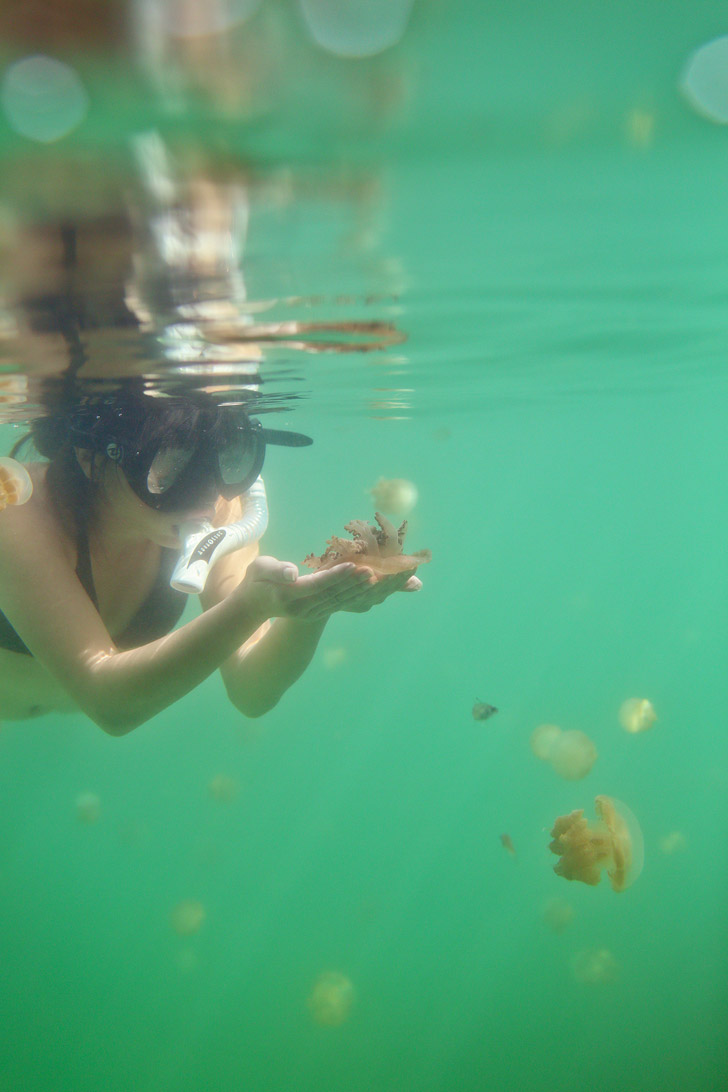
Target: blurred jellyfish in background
[
  {"x": 88, "y": 808},
  {"x": 571, "y": 753},
  {"x": 187, "y": 917},
  {"x": 595, "y": 967},
  {"x": 637, "y": 715},
  {"x": 543, "y": 739},
  {"x": 674, "y": 842},
  {"x": 558, "y": 914},
  {"x": 394, "y": 496},
  {"x": 334, "y": 656},
  {"x": 331, "y": 998},
  {"x": 613, "y": 842},
  {"x": 223, "y": 788}
]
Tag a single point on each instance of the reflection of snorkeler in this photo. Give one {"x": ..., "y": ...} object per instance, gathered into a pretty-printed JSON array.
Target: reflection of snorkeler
[{"x": 85, "y": 567}]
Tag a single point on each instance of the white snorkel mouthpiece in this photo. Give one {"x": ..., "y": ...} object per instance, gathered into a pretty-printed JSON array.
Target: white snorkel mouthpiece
[{"x": 203, "y": 544}]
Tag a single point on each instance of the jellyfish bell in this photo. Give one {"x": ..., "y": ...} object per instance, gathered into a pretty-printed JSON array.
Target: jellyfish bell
[
  {"x": 331, "y": 999},
  {"x": 614, "y": 842},
  {"x": 543, "y": 739},
  {"x": 637, "y": 715},
  {"x": 572, "y": 755}
]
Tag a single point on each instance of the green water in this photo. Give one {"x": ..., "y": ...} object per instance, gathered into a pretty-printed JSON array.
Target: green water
[{"x": 560, "y": 403}]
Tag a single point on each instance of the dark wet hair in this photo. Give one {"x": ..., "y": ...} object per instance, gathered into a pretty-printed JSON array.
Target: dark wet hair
[{"x": 128, "y": 415}]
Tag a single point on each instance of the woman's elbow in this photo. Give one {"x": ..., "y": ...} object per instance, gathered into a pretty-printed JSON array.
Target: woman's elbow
[
  {"x": 114, "y": 723},
  {"x": 252, "y": 708}
]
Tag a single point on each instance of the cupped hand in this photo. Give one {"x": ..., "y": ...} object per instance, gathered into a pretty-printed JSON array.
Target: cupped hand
[{"x": 278, "y": 591}]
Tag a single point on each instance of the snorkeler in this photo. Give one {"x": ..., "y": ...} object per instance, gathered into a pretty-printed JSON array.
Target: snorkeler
[{"x": 85, "y": 565}]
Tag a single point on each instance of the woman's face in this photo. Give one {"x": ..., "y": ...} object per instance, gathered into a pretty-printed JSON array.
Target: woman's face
[{"x": 137, "y": 520}]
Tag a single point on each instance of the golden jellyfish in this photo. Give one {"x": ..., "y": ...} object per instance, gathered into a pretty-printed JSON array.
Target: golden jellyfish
[
  {"x": 572, "y": 755},
  {"x": 543, "y": 739},
  {"x": 187, "y": 917},
  {"x": 595, "y": 966},
  {"x": 16, "y": 486},
  {"x": 613, "y": 842},
  {"x": 88, "y": 808},
  {"x": 558, "y": 915},
  {"x": 331, "y": 999},
  {"x": 637, "y": 715},
  {"x": 395, "y": 496}
]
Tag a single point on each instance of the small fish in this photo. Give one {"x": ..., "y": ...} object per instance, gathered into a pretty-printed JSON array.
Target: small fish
[
  {"x": 481, "y": 711},
  {"x": 508, "y": 844}
]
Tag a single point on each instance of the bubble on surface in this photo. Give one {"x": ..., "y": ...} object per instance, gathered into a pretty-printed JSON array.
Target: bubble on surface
[
  {"x": 350, "y": 28},
  {"x": 331, "y": 999},
  {"x": 43, "y": 98},
  {"x": 704, "y": 81}
]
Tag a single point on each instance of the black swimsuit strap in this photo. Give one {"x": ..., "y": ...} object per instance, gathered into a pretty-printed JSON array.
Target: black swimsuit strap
[{"x": 84, "y": 571}]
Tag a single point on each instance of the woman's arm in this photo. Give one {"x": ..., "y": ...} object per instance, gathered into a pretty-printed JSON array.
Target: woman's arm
[
  {"x": 119, "y": 690},
  {"x": 258, "y": 674}
]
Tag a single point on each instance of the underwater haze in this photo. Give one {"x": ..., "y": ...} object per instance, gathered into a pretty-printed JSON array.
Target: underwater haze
[{"x": 525, "y": 204}]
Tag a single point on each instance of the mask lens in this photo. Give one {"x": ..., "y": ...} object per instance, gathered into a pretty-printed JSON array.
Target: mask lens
[
  {"x": 237, "y": 458},
  {"x": 167, "y": 466}
]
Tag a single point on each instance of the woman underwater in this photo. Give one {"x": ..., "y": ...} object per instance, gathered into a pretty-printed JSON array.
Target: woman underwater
[{"x": 87, "y": 608}]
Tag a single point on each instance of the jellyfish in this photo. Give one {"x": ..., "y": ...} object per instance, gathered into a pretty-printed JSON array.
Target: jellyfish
[
  {"x": 572, "y": 755},
  {"x": 594, "y": 966},
  {"x": 543, "y": 739},
  {"x": 637, "y": 715},
  {"x": 613, "y": 842},
  {"x": 331, "y": 999},
  {"x": 333, "y": 657},
  {"x": 16, "y": 486},
  {"x": 88, "y": 808},
  {"x": 674, "y": 842},
  {"x": 395, "y": 496},
  {"x": 558, "y": 915},
  {"x": 187, "y": 917}
]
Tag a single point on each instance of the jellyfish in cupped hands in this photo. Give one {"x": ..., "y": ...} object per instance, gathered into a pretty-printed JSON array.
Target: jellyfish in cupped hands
[{"x": 613, "y": 842}]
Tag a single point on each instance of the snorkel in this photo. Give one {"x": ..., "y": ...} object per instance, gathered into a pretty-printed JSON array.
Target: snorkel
[{"x": 203, "y": 544}]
